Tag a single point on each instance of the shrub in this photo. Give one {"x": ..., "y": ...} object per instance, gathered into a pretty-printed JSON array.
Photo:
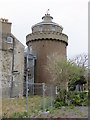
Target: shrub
[
  {"x": 60, "y": 99},
  {"x": 75, "y": 99},
  {"x": 78, "y": 98}
]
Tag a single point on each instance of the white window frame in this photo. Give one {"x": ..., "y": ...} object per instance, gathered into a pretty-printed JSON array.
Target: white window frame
[{"x": 10, "y": 40}]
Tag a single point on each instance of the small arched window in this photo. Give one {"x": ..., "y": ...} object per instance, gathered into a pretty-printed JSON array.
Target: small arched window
[{"x": 9, "y": 39}]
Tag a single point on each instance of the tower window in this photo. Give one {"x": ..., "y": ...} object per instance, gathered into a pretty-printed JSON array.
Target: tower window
[
  {"x": 10, "y": 40},
  {"x": 30, "y": 49},
  {"x": 41, "y": 29},
  {"x": 53, "y": 28}
]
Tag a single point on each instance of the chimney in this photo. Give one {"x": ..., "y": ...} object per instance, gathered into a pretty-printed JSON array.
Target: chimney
[{"x": 6, "y": 26}]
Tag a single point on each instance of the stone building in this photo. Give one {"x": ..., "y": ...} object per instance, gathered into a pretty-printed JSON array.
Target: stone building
[
  {"x": 11, "y": 61},
  {"x": 46, "y": 39}
]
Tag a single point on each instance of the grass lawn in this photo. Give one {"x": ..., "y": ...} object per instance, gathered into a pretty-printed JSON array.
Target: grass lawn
[{"x": 17, "y": 108}]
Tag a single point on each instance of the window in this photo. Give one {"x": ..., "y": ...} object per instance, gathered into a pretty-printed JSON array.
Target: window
[
  {"x": 10, "y": 40},
  {"x": 30, "y": 49},
  {"x": 41, "y": 29},
  {"x": 53, "y": 28},
  {"x": 79, "y": 87}
]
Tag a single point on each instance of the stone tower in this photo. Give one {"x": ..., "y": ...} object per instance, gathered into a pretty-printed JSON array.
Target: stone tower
[{"x": 46, "y": 39}]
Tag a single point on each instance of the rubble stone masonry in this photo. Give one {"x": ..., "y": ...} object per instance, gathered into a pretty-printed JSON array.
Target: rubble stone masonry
[{"x": 6, "y": 53}]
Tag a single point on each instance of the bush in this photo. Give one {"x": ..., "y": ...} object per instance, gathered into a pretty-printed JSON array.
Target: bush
[
  {"x": 60, "y": 99},
  {"x": 78, "y": 98},
  {"x": 75, "y": 99}
]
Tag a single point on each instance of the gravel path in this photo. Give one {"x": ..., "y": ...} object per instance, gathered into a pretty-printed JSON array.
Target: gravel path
[
  {"x": 67, "y": 112},
  {"x": 76, "y": 112}
]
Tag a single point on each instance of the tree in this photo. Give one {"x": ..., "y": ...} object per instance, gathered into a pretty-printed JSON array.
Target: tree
[
  {"x": 65, "y": 73},
  {"x": 82, "y": 61},
  {"x": 56, "y": 67}
]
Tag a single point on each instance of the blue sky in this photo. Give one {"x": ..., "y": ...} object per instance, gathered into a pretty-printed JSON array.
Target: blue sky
[{"x": 71, "y": 14}]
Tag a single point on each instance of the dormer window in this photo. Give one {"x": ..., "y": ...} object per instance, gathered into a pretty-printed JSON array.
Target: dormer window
[
  {"x": 53, "y": 28},
  {"x": 10, "y": 40}
]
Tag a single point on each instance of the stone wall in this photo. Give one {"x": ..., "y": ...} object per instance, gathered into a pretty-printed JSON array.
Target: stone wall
[
  {"x": 18, "y": 67},
  {"x": 6, "y": 56}
]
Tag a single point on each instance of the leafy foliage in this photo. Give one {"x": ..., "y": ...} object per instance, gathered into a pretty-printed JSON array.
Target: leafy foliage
[
  {"x": 71, "y": 98},
  {"x": 78, "y": 98},
  {"x": 61, "y": 98},
  {"x": 71, "y": 72}
]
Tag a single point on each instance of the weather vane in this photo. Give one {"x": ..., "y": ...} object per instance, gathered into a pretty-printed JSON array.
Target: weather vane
[{"x": 48, "y": 11}]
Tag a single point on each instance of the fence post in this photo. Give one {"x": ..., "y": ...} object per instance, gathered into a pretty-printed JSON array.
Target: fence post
[
  {"x": 51, "y": 98},
  {"x": 27, "y": 101},
  {"x": 56, "y": 90},
  {"x": 43, "y": 97},
  {"x": 27, "y": 89}
]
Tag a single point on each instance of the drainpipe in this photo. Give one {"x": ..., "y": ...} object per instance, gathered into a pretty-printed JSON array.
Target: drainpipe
[{"x": 12, "y": 74}]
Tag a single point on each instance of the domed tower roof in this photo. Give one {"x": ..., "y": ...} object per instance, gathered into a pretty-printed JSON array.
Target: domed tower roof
[
  {"x": 47, "y": 29},
  {"x": 46, "y": 20}
]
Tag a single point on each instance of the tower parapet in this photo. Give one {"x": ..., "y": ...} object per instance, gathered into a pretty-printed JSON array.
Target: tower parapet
[{"x": 47, "y": 35}]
